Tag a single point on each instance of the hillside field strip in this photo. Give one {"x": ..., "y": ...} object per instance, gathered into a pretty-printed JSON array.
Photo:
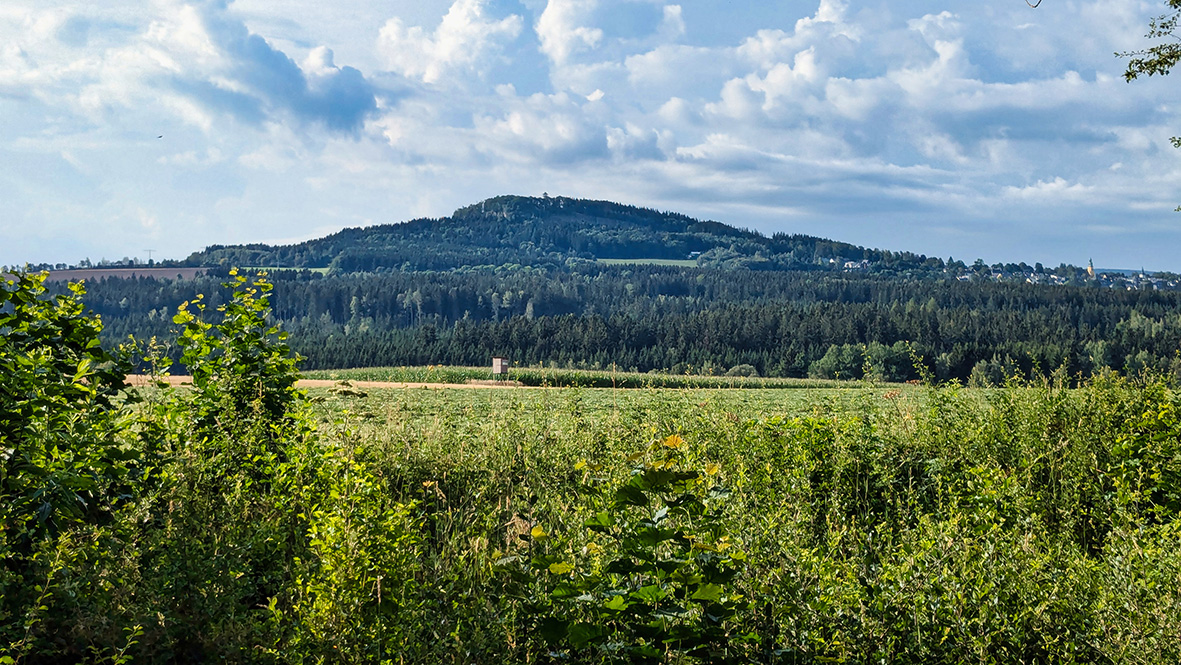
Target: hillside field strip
[{"x": 680, "y": 263}]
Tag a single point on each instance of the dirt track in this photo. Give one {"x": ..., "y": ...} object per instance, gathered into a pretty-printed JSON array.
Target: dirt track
[{"x": 143, "y": 380}]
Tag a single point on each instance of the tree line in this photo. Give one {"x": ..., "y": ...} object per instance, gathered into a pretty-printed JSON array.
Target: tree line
[{"x": 689, "y": 320}]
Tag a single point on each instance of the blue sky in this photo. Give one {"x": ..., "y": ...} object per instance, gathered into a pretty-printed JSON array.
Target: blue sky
[{"x": 973, "y": 129}]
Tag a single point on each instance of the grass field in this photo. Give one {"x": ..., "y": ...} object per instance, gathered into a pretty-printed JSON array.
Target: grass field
[
  {"x": 461, "y": 418},
  {"x": 531, "y": 376},
  {"x": 270, "y": 269},
  {"x": 123, "y": 273},
  {"x": 880, "y": 524},
  {"x": 681, "y": 263}
]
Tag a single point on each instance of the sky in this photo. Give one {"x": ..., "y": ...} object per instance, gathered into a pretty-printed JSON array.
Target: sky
[{"x": 969, "y": 129}]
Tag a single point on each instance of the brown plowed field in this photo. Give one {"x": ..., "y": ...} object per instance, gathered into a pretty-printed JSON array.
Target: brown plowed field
[{"x": 123, "y": 273}]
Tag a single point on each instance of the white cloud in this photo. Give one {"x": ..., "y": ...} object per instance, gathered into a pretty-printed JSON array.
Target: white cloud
[
  {"x": 1050, "y": 191},
  {"x": 768, "y": 47},
  {"x": 943, "y": 26},
  {"x": 785, "y": 83},
  {"x": 932, "y": 80},
  {"x": 466, "y": 39},
  {"x": 858, "y": 99},
  {"x": 672, "y": 24},
  {"x": 675, "y": 70},
  {"x": 193, "y": 158},
  {"x": 563, "y": 31},
  {"x": 940, "y": 147},
  {"x": 549, "y": 128},
  {"x": 146, "y": 219},
  {"x": 829, "y": 11},
  {"x": 738, "y": 101},
  {"x": 632, "y": 142},
  {"x": 585, "y": 78},
  {"x": 192, "y": 59}
]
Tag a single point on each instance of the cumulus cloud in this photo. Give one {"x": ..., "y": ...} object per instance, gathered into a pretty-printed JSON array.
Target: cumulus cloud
[
  {"x": 250, "y": 76},
  {"x": 466, "y": 39},
  {"x": 548, "y": 128},
  {"x": 676, "y": 70},
  {"x": 563, "y": 31},
  {"x": 194, "y": 58},
  {"x": 827, "y": 29},
  {"x": 632, "y": 142}
]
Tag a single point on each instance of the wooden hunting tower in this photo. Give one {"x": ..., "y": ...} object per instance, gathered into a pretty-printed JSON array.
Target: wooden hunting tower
[{"x": 499, "y": 367}]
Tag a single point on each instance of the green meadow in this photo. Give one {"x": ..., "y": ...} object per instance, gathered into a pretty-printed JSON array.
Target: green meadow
[{"x": 680, "y": 263}]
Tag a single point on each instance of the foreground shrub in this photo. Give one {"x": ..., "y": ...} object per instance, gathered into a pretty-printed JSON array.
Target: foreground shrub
[
  {"x": 655, "y": 582},
  {"x": 274, "y": 543},
  {"x": 64, "y": 462},
  {"x": 253, "y": 539}
]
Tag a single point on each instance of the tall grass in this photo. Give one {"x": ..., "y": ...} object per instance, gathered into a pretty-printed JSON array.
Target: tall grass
[{"x": 944, "y": 525}]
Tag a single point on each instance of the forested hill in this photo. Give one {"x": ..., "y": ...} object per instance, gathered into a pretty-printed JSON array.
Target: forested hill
[
  {"x": 553, "y": 232},
  {"x": 531, "y": 279}
]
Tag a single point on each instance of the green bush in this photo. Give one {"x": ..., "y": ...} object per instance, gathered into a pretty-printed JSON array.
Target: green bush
[
  {"x": 355, "y": 598},
  {"x": 653, "y": 581},
  {"x": 1147, "y": 459},
  {"x": 275, "y": 542},
  {"x": 64, "y": 459},
  {"x": 254, "y": 539}
]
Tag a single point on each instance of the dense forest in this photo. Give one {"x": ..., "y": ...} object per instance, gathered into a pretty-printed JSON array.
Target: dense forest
[
  {"x": 543, "y": 280},
  {"x": 689, "y": 320}
]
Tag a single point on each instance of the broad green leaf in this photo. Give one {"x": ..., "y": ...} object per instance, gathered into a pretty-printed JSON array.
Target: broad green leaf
[
  {"x": 601, "y": 521},
  {"x": 553, "y": 630},
  {"x": 708, "y": 592},
  {"x": 617, "y": 604},
  {"x": 582, "y": 634},
  {"x": 544, "y": 561},
  {"x": 651, "y": 594},
  {"x": 653, "y": 536},
  {"x": 657, "y": 479},
  {"x": 630, "y": 495},
  {"x": 566, "y": 590}
]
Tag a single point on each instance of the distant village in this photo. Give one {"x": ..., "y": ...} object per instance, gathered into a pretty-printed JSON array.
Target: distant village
[{"x": 1130, "y": 280}]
